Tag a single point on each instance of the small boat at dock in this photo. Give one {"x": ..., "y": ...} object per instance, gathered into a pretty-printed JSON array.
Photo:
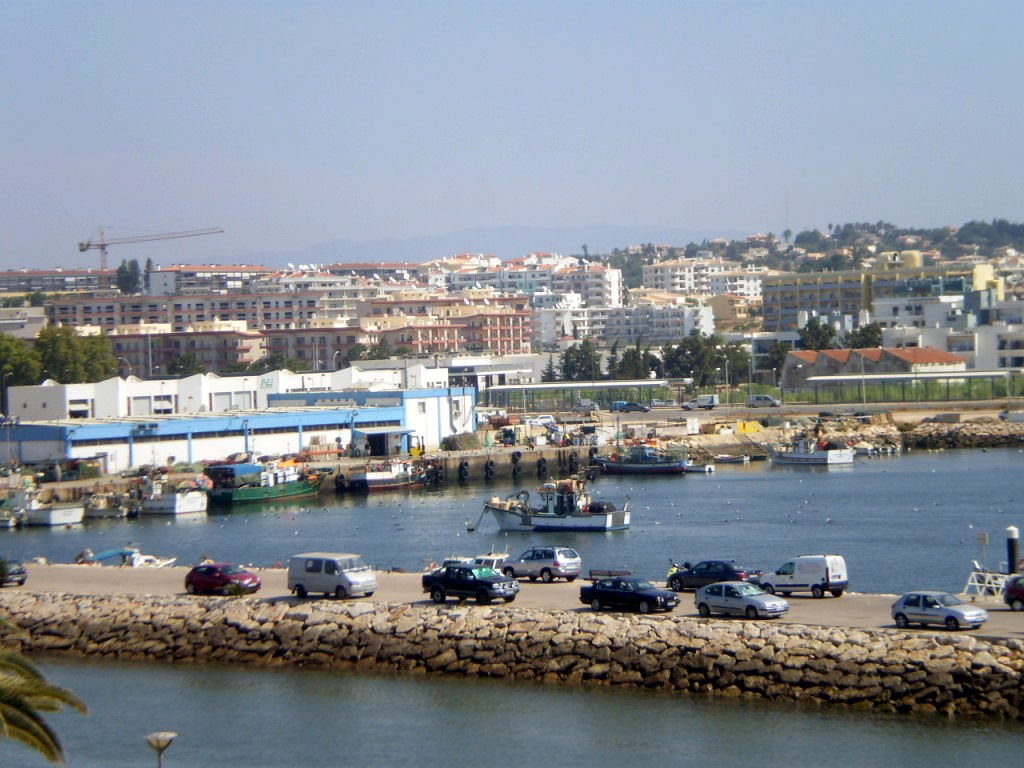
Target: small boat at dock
[
  {"x": 642, "y": 460},
  {"x": 808, "y": 451},
  {"x": 28, "y": 504},
  {"x": 161, "y": 497},
  {"x": 564, "y": 506},
  {"x": 109, "y": 505},
  {"x": 386, "y": 475}
]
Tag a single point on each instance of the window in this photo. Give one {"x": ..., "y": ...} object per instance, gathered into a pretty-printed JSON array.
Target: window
[
  {"x": 786, "y": 570},
  {"x": 312, "y": 566},
  {"x": 912, "y": 601}
]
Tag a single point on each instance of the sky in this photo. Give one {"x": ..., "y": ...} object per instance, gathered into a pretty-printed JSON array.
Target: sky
[{"x": 296, "y": 124}]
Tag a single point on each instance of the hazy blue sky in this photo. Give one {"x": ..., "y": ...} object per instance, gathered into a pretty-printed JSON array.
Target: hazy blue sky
[{"x": 295, "y": 123}]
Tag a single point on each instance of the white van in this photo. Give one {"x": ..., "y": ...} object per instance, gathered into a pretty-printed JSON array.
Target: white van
[
  {"x": 333, "y": 573},
  {"x": 701, "y": 401},
  {"x": 808, "y": 573}
]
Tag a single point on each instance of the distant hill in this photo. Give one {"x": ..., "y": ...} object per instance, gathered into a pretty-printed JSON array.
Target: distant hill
[{"x": 504, "y": 242}]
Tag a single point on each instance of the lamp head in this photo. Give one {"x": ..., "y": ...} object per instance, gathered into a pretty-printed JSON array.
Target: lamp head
[{"x": 160, "y": 740}]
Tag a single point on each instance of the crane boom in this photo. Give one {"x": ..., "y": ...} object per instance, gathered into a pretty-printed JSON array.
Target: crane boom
[{"x": 100, "y": 242}]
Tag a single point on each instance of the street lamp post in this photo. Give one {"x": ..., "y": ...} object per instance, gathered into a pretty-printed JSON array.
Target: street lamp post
[
  {"x": 127, "y": 363},
  {"x": 334, "y": 359},
  {"x": 159, "y": 742}
]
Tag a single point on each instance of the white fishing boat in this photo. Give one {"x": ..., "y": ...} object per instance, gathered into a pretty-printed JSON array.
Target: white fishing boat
[
  {"x": 107, "y": 504},
  {"x": 161, "y": 497},
  {"x": 564, "y": 506},
  {"x": 809, "y": 451},
  {"x": 28, "y": 505}
]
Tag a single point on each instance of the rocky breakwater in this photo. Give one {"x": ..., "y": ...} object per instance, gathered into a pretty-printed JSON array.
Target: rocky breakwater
[
  {"x": 979, "y": 433},
  {"x": 879, "y": 670}
]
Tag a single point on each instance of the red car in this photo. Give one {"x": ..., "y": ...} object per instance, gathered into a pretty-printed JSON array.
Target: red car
[{"x": 221, "y": 579}]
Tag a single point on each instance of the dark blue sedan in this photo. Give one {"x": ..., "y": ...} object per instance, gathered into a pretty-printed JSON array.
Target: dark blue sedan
[{"x": 627, "y": 592}]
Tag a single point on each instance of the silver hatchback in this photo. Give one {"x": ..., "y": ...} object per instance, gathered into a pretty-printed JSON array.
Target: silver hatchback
[
  {"x": 739, "y": 598},
  {"x": 546, "y": 564},
  {"x": 936, "y": 608}
]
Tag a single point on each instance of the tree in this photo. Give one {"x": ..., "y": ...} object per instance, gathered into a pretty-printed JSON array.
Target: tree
[
  {"x": 24, "y": 693},
  {"x": 581, "y": 362},
  {"x": 776, "y": 357},
  {"x": 550, "y": 372},
  {"x": 612, "y": 362},
  {"x": 817, "y": 335},
  {"x": 185, "y": 364},
  {"x": 99, "y": 360},
  {"x": 128, "y": 277},
  {"x": 36, "y": 299},
  {"x": 379, "y": 351},
  {"x": 149, "y": 268},
  {"x": 61, "y": 356},
  {"x": 866, "y": 336},
  {"x": 355, "y": 352},
  {"x": 19, "y": 363},
  {"x": 696, "y": 356}
]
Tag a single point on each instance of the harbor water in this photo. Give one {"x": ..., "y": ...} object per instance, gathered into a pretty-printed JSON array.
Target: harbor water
[
  {"x": 906, "y": 522},
  {"x": 238, "y": 716}
]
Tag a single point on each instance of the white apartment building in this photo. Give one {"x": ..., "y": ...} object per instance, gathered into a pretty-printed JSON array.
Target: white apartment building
[
  {"x": 597, "y": 285},
  {"x": 689, "y": 276},
  {"x": 917, "y": 312},
  {"x": 646, "y": 323},
  {"x": 739, "y": 282}
]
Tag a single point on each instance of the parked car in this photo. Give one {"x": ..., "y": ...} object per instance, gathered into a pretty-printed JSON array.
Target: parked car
[
  {"x": 707, "y": 402},
  {"x": 1013, "y": 594},
  {"x": 221, "y": 579},
  {"x": 738, "y": 598},
  {"x": 340, "y": 574},
  {"x": 464, "y": 580},
  {"x": 12, "y": 573},
  {"x": 707, "y": 572},
  {"x": 937, "y": 608},
  {"x": 545, "y": 563},
  {"x": 633, "y": 407},
  {"x": 762, "y": 401},
  {"x": 618, "y": 589},
  {"x": 816, "y": 574},
  {"x": 542, "y": 420}
]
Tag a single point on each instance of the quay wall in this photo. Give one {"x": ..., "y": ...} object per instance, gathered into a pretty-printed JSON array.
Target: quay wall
[{"x": 881, "y": 670}]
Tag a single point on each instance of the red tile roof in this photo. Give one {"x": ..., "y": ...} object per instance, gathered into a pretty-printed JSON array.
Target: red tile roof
[{"x": 924, "y": 355}]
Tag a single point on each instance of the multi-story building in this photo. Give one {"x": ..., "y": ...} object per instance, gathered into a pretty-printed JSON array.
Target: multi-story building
[
  {"x": 22, "y": 322},
  {"x": 597, "y": 285},
  {"x": 851, "y": 292},
  {"x": 209, "y": 278},
  {"x": 258, "y": 310},
  {"x": 55, "y": 280},
  {"x": 149, "y": 350},
  {"x": 656, "y": 325}
]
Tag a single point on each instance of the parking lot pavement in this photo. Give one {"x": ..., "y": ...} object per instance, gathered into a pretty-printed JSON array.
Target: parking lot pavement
[{"x": 850, "y": 610}]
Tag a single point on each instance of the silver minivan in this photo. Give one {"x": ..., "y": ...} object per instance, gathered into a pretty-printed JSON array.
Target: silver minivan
[
  {"x": 762, "y": 401},
  {"x": 332, "y": 573},
  {"x": 546, "y": 564}
]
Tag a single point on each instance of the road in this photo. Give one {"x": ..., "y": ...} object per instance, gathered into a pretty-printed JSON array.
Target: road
[{"x": 851, "y": 610}]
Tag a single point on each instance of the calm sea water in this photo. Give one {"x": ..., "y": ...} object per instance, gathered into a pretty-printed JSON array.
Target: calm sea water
[
  {"x": 239, "y": 717},
  {"x": 902, "y": 523}
]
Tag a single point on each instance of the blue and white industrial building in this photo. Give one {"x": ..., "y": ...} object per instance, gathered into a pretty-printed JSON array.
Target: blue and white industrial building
[{"x": 387, "y": 422}]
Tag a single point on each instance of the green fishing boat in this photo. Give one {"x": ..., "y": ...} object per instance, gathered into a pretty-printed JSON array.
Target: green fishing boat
[{"x": 253, "y": 483}]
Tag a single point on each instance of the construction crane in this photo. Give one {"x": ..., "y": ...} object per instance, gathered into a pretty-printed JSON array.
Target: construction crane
[{"x": 100, "y": 242}]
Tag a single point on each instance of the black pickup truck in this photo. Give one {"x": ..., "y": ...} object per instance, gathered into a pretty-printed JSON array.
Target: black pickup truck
[{"x": 465, "y": 580}]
